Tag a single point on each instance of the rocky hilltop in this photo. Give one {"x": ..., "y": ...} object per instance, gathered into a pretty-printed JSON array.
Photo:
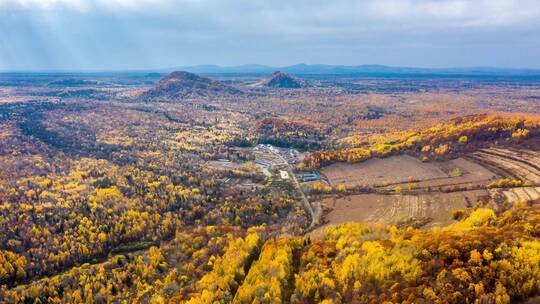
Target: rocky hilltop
[
  {"x": 185, "y": 85},
  {"x": 281, "y": 80}
]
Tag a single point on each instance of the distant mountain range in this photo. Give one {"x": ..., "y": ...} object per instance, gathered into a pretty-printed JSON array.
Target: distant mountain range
[
  {"x": 358, "y": 69},
  {"x": 297, "y": 69}
]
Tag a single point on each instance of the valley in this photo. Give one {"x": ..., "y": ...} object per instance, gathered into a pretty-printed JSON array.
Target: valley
[{"x": 185, "y": 188}]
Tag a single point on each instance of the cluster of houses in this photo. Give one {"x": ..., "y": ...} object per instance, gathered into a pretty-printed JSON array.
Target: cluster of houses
[
  {"x": 265, "y": 148},
  {"x": 289, "y": 156},
  {"x": 292, "y": 156},
  {"x": 267, "y": 163}
]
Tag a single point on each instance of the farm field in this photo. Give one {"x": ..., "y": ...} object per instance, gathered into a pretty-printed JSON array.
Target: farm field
[
  {"x": 395, "y": 169},
  {"x": 460, "y": 171},
  {"x": 439, "y": 186},
  {"x": 404, "y": 169},
  {"x": 519, "y": 194},
  {"x": 390, "y": 209},
  {"x": 519, "y": 164}
]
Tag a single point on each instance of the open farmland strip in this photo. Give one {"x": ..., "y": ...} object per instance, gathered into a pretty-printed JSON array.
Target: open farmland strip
[
  {"x": 512, "y": 193},
  {"x": 446, "y": 207},
  {"x": 531, "y": 156},
  {"x": 410, "y": 206},
  {"x": 419, "y": 202},
  {"x": 398, "y": 205},
  {"x": 428, "y": 207},
  {"x": 425, "y": 206},
  {"x": 513, "y": 156},
  {"x": 467, "y": 198},
  {"x": 394, "y": 208},
  {"x": 504, "y": 162},
  {"x": 378, "y": 214},
  {"x": 407, "y": 211},
  {"x": 402, "y": 209},
  {"x": 382, "y": 171},
  {"x": 415, "y": 204},
  {"x": 371, "y": 216},
  {"x": 403, "y": 205},
  {"x": 377, "y": 208},
  {"x": 491, "y": 165},
  {"x": 506, "y": 152},
  {"x": 511, "y": 196},
  {"x": 521, "y": 170},
  {"x": 495, "y": 192},
  {"x": 410, "y": 209},
  {"x": 522, "y": 194},
  {"x": 533, "y": 194},
  {"x": 384, "y": 212}
]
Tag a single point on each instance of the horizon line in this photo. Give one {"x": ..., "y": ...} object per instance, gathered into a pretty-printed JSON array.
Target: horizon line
[{"x": 276, "y": 67}]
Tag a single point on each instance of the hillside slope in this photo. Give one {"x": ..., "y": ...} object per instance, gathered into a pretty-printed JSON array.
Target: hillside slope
[
  {"x": 282, "y": 81},
  {"x": 185, "y": 85}
]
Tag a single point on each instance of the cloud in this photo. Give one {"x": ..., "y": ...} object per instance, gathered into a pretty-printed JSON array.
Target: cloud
[
  {"x": 79, "y": 5},
  {"x": 385, "y": 12},
  {"x": 458, "y": 12},
  {"x": 42, "y": 4},
  {"x": 153, "y": 33}
]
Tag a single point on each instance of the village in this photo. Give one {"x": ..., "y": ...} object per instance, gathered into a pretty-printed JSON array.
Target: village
[{"x": 275, "y": 163}]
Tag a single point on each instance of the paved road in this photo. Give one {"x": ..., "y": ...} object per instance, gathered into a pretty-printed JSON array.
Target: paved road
[{"x": 305, "y": 202}]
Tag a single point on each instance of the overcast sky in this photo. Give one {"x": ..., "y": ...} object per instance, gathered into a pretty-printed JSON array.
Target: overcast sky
[{"x": 145, "y": 34}]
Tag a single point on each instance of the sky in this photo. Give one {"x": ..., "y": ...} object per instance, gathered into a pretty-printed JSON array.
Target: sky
[{"x": 152, "y": 34}]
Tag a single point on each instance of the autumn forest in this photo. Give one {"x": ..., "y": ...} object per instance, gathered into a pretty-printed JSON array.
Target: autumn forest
[{"x": 185, "y": 188}]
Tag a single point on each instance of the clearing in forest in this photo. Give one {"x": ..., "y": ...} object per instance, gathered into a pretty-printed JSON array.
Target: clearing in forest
[
  {"x": 391, "y": 209},
  {"x": 395, "y": 169}
]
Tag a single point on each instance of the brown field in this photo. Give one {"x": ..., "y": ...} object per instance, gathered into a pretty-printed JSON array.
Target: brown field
[
  {"x": 224, "y": 165},
  {"x": 522, "y": 164},
  {"x": 404, "y": 168},
  {"x": 523, "y": 194},
  {"x": 471, "y": 173},
  {"x": 380, "y": 208},
  {"x": 395, "y": 169},
  {"x": 475, "y": 169}
]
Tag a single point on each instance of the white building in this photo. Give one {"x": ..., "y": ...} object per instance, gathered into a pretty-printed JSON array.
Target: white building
[{"x": 284, "y": 174}]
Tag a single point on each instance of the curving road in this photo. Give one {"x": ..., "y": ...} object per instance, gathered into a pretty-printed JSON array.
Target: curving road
[{"x": 315, "y": 216}]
